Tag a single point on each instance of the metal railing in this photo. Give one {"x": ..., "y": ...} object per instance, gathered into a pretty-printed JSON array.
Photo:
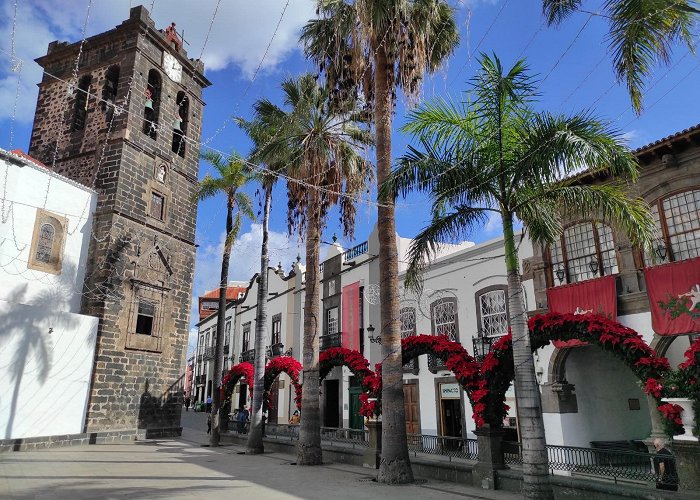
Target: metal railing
[
  {"x": 355, "y": 251},
  {"x": 226, "y": 348},
  {"x": 199, "y": 358},
  {"x": 328, "y": 341},
  {"x": 354, "y": 437},
  {"x": 435, "y": 364},
  {"x": 248, "y": 355},
  {"x": 200, "y": 379},
  {"x": 452, "y": 447},
  {"x": 209, "y": 353},
  {"x": 605, "y": 464}
]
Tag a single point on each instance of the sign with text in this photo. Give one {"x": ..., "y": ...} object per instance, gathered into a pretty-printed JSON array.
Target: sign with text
[{"x": 449, "y": 391}]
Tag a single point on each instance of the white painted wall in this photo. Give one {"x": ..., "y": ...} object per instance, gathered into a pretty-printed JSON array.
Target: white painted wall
[
  {"x": 29, "y": 187},
  {"x": 603, "y": 411},
  {"x": 46, "y": 374}
]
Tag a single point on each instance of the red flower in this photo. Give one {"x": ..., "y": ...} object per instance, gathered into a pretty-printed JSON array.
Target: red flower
[{"x": 653, "y": 387}]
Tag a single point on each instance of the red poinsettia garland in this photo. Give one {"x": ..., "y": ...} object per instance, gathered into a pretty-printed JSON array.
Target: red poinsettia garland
[
  {"x": 283, "y": 364},
  {"x": 241, "y": 370}
]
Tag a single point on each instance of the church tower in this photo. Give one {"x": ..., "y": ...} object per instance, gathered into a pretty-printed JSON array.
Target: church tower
[{"x": 122, "y": 113}]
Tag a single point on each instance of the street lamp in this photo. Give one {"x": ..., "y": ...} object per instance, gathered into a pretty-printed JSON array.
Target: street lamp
[
  {"x": 661, "y": 251},
  {"x": 372, "y": 338},
  {"x": 560, "y": 274},
  {"x": 593, "y": 265}
]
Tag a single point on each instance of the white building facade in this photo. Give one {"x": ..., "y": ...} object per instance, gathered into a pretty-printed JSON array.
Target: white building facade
[{"x": 46, "y": 346}]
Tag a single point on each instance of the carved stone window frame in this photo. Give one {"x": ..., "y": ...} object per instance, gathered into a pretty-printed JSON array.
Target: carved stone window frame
[
  {"x": 156, "y": 296},
  {"x": 60, "y": 224}
]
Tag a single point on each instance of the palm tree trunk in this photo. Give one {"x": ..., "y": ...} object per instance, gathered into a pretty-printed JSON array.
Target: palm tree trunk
[
  {"x": 220, "y": 319},
  {"x": 309, "y": 451},
  {"x": 527, "y": 395},
  {"x": 255, "y": 441},
  {"x": 395, "y": 466}
]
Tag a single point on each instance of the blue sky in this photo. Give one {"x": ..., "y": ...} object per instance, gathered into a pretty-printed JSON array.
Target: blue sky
[{"x": 572, "y": 61}]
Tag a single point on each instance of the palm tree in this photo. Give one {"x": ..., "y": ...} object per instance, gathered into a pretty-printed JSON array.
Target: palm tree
[
  {"x": 495, "y": 155},
  {"x": 641, "y": 33},
  {"x": 381, "y": 46},
  {"x": 262, "y": 130},
  {"x": 234, "y": 173},
  {"x": 320, "y": 144}
]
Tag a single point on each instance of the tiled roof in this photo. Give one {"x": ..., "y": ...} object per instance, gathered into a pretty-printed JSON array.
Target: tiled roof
[{"x": 642, "y": 149}]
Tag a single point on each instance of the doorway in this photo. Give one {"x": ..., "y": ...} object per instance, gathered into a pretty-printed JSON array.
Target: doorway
[
  {"x": 243, "y": 396},
  {"x": 273, "y": 400},
  {"x": 451, "y": 417},
  {"x": 331, "y": 414},
  {"x": 356, "y": 420},
  {"x": 411, "y": 404}
]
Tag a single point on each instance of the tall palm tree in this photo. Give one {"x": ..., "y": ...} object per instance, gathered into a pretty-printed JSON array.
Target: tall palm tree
[
  {"x": 641, "y": 33},
  {"x": 234, "y": 173},
  {"x": 321, "y": 145},
  {"x": 262, "y": 130},
  {"x": 381, "y": 46},
  {"x": 495, "y": 155}
]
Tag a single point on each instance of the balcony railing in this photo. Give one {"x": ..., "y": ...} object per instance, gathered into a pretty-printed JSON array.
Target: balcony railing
[
  {"x": 199, "y": 358},
  {"x": 355, "y": 252},
  {"x": 200, "y": 379},
  {"x": 248, "y": 356},
  {"x": 209, "y": 353},
  {"x": 226, "y": 348},
  {"x": 331, "y": 340},
  {"x": 435, "y": 364},
  {"x": 411, "y": 366}
]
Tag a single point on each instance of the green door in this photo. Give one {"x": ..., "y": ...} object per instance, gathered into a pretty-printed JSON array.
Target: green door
[{"x": 356, "y": 420}]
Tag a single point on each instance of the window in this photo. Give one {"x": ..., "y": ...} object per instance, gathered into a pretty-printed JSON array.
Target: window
[
  {"x": 144, "y": 319},
  {"x": 407, "y": 316},
  {"x": 82, "y": 101},
  {"x": 206, "y": 341},
  {"x": 157, "y": 210},
  {"x": 47, "y": 234},
  {"x": 678, "y": 222},
  {"x": 443, "y": 313},
  {"x": 210, "y": 305},
  {"x": 276, "y": 329},
  {"x": 332, "y": 321},
  {"x": 180, "y": 121},
  {"x": 586, "y": 250},
  {"x": 152, "y": 104},
  {"x": 46, "y": 252},
  {"x": 246, "y": 337},
  {"x": 492, "y": 307},
  {"x": 109, "y": 90},
  {"x": 331, "y": 287},
  {"x": 227, "y": 335}
]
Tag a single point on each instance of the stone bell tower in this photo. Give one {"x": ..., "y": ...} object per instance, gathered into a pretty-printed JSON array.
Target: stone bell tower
[{"x": 122, "y": 113}]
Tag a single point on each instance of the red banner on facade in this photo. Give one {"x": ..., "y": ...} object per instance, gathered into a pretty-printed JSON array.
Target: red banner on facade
[
  {"x": 597, "y": 296},
  {"x": 351, "y": 316},
  {"x": 674, "y": 297}
]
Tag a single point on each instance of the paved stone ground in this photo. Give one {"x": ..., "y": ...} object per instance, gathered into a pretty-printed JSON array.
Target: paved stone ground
[{"x": 182, "y": 468}]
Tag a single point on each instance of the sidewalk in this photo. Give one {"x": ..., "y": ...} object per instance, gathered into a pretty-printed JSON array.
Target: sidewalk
[{"x": 182, "y": 468}]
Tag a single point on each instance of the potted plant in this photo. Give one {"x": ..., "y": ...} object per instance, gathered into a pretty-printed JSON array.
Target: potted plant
[{"x": 681, "y": 396}]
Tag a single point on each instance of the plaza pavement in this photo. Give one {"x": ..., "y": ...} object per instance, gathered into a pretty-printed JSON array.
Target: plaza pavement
[{"x": 182, "y": 468}]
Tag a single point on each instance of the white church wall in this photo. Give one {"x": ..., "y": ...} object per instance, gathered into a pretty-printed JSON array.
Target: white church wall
[
  {"x": 46, "y": 361},
  {"x": 29, "y": 188}
]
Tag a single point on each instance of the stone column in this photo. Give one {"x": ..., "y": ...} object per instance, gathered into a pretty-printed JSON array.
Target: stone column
[
  {"x": 687, "y": 455},
  {"x": 657, "y": 426},
  {"x": 373, "y": 455},
  {"x": 489, "y": 440}
]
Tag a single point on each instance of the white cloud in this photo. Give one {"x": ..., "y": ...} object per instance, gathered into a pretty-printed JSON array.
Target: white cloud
[
  {"x": 240, "y": 35},
  {"x": 245, "y": 260}
]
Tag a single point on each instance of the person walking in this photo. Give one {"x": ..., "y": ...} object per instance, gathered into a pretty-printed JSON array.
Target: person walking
[
  {"x": 665, "y": 467},
  {"x": 208, "y": 423},
  {"x": 241, "y": 419},
  {"x": 187, "y": 403},
  {"x": 295, "y": 418},
  {"x": 208, "y": 404}
]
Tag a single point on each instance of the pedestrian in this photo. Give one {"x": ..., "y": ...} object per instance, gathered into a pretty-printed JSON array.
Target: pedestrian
[
  {"x": 264, "y": 420},
  {"x": 208, "y": 423},
  {"x": 240, "y": 420},
  {"x": 295, "y": 418},
  {"x": 208, "y": 404},
  {"x": 665, "y": 467},
  {"x": 187, "y": 403}
]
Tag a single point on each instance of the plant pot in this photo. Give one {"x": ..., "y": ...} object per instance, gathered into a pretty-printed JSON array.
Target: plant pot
[{"x": 687, "y": 416}]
